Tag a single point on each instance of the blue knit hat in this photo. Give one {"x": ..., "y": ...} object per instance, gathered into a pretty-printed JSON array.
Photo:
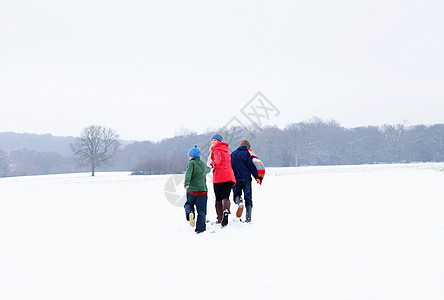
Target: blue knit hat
[
  {"x": 194, "y": 152},
  {"x": 217, "y": 137}
]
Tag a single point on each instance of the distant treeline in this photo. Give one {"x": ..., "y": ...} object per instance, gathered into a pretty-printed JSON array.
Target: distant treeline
[
  {"x": 314, "y": 142},
  {"x": 30, "y": 162},
  {"x": 310, "y": 143}
]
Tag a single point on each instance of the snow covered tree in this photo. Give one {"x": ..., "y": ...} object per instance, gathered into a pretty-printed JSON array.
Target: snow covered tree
[{"x": 95, "y": 147}]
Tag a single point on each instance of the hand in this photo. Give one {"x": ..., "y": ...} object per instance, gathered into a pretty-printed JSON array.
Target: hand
[
  {"x": 258, "y": 181},
  {"x": 187, "y": 186}
]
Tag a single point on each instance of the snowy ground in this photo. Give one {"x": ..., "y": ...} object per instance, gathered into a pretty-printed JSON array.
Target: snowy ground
[{"x": 345, "y": 232}]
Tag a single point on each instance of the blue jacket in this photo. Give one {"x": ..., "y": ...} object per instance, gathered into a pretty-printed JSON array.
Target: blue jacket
[{"x": 242, "y": 164}]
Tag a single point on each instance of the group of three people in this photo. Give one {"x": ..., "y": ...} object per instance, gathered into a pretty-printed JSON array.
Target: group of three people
[{"x": 230, "y": 172}]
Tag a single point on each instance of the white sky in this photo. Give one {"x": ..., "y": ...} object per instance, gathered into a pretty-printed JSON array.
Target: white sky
[{"x": 148, "y": 68}]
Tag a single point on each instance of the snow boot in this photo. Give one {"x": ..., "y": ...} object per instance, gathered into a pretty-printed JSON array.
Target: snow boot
[
  {"x": 192, "y": 221},
  {"x": 240, "y": 208},
  {"x": 226, "y": 210},
  {"x": 225, "y": 218},
  {"x": 219, "y": 211},
  {"x": 248, "y": 214}
]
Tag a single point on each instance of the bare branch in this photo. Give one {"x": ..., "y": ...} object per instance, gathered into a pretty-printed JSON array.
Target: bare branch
[{"x": 95, "y": 147}]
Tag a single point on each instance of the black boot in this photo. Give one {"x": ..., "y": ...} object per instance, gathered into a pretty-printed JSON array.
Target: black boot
[
  {"x": 248, "y": 214},
  {"x": 226, "y": 211}
]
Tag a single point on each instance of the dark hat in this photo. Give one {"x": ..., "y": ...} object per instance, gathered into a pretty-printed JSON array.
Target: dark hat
[{"x": 217, "y": 137}]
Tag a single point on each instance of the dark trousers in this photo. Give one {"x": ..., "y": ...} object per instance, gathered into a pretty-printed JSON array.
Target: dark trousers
[
  {"x": 245, "y": 186},
  {"x": 201, "y": 205},
  {"x": 222, "y": 190}
]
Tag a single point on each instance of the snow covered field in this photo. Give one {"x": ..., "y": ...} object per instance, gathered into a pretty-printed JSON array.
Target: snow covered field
[{"x": 340, "y": 232}]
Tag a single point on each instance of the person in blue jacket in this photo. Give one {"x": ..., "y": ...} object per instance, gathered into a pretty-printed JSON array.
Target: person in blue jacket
[{"x": 243, "y": 167}]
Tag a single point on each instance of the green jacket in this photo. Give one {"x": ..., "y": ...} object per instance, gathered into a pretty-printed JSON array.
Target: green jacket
[{"x": 196, "y": 176}]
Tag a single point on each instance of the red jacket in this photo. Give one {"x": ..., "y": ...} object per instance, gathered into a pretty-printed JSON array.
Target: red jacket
[{"x": 221, "y": 162}]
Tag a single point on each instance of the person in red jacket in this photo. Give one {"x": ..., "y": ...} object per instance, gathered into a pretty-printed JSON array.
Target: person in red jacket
[{"x": 223, "y": 177}]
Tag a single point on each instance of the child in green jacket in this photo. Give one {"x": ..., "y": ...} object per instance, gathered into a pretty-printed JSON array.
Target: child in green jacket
[{"x": 196, "y": 185}]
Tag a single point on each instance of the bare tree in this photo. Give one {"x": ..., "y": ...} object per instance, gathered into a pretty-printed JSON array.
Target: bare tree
[{"x": 95, "y": 147}]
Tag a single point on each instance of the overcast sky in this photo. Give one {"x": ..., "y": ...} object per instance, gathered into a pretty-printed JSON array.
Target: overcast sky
[{"x": 149, "y": 68}]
